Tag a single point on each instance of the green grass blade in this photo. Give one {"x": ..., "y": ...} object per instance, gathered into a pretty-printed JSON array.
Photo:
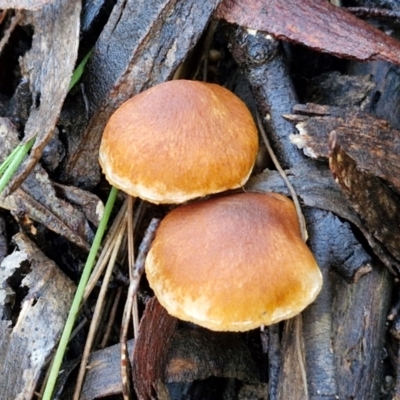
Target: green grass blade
[
  {"x": 4, "y": 165},
  {"x": 47, "y": 395},
  {"x": 13, "y": 161},
  {"x": 79, "y": 71}
]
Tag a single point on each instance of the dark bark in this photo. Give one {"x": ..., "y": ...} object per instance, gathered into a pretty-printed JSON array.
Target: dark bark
[{"x": 142, "y": 44}]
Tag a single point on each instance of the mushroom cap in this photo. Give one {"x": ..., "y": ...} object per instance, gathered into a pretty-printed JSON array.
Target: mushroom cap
[
  {"x": 233, "y": 263},
  {"x": 179, "y": 140}
]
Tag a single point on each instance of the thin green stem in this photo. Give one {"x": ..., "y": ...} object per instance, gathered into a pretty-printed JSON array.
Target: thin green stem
[
  {"x": 79, "y": 71},
  {"x": 4, "y": 165},
  {"x": 78, "y": 296},
  {"x": 13, "y": 161}
]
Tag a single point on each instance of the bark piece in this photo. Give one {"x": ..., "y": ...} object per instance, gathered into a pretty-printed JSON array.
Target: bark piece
[
  {"x": 194, "y": 354},
  {"x": 28, "y": 334},
  {"x": 37, "y": 199},
  {"x": 48, "y": 66},
  {"x": 377, "y": 206},
  {"x": 90, "y": 204},
  {"x": 359, "y": 332},
  {"x": 371, "y": 142},
  {"x": 151, "y": 350},
  {"x": 4, "y": 246},
  {"x": 24, "y": 4},
  {"x": 103, "y": 376},
  {"x": 317, "y": 24},
  {"x": 142, "y": 44}
]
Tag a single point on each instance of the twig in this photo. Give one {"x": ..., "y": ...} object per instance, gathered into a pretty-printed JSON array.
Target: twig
[
  {"x": 111, "y": 320},
  {"x": 133, "y": 287},
  {"x": 293, "y": 194},
  {"x": 105, "y": 253}
]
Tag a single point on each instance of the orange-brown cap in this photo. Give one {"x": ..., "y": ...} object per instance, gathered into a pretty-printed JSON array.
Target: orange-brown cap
[
  {"x": 233, "y": 263},
  {"x": 179, "y": 140}
]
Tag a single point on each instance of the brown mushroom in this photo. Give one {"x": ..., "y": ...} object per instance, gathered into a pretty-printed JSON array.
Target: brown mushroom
[
  {"x": 179, "y": 140},
  {"x": 233, "y": 263}
]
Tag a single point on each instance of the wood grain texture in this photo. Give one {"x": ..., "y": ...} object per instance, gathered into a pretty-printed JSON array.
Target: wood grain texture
[{"x": 314, "y": 23}]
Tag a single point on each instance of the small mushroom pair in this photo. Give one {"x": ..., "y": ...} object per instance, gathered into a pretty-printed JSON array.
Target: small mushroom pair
[{"x": 231, "y": 263}]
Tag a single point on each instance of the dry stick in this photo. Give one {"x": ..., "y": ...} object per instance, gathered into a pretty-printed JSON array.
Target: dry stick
[
  {"x": 304, "y": 236},
  {"x": 296, "y": 202},
  {"x": 105, "y": 253},
  {"x": 135, "y": 309},
  {"x": 104, "y": 317},
  {"x": 133, "y": 287},
  {"x": 111, "y": 320},
  {"x": 125, "y": 366},
  {"x": 97, "y": 311},
  {"x": 130, "y": 306},
  {"x": 131, "y": 261}
]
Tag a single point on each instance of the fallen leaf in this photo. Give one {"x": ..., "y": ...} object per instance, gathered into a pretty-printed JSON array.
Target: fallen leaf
[{"x": 29, "y": 331}]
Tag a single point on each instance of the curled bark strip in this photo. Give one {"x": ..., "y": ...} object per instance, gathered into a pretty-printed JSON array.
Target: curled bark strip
[{"x": 314, "y": 23}]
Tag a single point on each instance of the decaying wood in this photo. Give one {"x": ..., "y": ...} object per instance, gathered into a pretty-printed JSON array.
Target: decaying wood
[
  {"x": 29, "y": 334},
  {"x": 359, "y": 332},
  {"x": 48, "y": 66},
  {"x": 317, "y": 24},
  {"x": 373, "y": 200},
  {"x": 290, "y": 368},
  {"x": 370, "y": 141},
  {"x": 141, "y": 45}
]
